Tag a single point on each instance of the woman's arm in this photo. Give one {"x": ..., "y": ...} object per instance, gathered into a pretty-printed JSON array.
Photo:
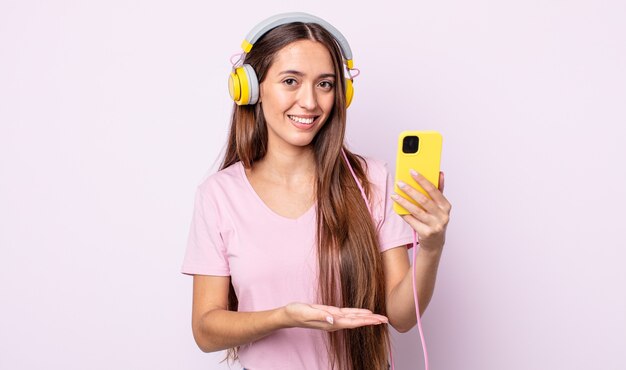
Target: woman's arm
[
  {"x": 398, "y": 280},
  {"x": 430, "y": 222},
  {"x": 215, "y": 328}
]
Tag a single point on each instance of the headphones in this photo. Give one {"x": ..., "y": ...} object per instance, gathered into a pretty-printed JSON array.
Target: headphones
[{"x": 243, "y": 84}]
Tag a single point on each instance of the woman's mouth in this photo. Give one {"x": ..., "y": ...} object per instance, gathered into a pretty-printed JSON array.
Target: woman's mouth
[{"x": 302, "y": 120}]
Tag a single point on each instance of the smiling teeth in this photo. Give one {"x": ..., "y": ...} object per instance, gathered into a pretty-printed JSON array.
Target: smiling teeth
[{"x": 306, "y": 121}]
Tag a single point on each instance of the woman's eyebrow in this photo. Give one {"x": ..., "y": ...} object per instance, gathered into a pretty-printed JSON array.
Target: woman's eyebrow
[{"x": 298, "y": 73}]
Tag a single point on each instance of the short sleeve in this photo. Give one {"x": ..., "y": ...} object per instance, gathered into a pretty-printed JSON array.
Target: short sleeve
[
  {"x": 393, "y": 231},
  {"x": 206, "y": 252}
]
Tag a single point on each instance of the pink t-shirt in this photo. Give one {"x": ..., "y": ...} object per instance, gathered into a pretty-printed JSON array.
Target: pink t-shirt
[{"x": 271, "y": 259}]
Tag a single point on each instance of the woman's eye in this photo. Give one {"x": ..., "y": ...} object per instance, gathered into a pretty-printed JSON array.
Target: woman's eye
[
  {"x": 289, "y": 82},
  {"x": 326, "y": 84}
]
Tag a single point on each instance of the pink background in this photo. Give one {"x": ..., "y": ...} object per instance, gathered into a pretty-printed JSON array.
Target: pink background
[{"x": 111, "y": 112}]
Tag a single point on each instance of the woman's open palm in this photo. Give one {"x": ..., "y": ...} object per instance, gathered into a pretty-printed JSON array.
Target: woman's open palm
[{"x": 329, "y": 318}]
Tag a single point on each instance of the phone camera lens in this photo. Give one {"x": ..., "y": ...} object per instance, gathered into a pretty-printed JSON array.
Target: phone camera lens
[{"x": 410, "y": 144}]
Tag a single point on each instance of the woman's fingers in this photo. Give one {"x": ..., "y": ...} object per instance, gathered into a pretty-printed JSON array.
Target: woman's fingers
[
  {"x": 330, "y": 318},
  {"x": 430, "y": 217},
  {"x": 435, "y": 194},
  {"x": 413, "y": 209},
  {"x": 338, "y": 310},
  {"x": 335, "y": 318},
  {"x": 437, "y": 203},
  {"x": 355, "y": 322},
  {"x": 421, "y": 199}
]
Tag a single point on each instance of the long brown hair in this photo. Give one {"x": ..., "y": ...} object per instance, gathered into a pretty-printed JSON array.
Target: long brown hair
[{"x": 350, "y": 264}]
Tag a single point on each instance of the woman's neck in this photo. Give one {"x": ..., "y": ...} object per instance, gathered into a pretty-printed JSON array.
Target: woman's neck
[{"x": 287, "y": 165}]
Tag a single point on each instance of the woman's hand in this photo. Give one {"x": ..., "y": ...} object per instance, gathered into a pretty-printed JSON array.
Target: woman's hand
[
  {"x": 431, "y": 219},
  {"x": 329, "y": 318}
]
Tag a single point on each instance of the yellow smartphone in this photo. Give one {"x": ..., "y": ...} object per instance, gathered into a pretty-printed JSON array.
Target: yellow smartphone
[{"x": 420, "y": 151}]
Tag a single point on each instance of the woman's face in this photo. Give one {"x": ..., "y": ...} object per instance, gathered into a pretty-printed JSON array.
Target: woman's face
[{"x": 297, "y": 94}]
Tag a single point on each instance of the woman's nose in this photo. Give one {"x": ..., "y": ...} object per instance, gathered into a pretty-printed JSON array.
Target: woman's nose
[{"x": 307, "y": 97}]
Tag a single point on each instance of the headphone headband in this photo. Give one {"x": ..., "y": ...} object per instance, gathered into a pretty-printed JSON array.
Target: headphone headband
[{"x": 284, "y": 18}]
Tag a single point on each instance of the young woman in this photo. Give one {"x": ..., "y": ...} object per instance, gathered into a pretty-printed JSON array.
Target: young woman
[{"x": 294, "y": 266}]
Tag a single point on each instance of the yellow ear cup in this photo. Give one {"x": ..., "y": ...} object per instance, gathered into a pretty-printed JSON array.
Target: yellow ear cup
[
  {"x": 349, "y": 92},
  {"x": 243, "y": 86},
  {"x": 234, "y": 89}
]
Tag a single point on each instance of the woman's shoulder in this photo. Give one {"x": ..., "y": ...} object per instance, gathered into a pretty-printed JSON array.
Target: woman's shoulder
[
  {"x": 378, "y": 178},
  {"x": 225, "y": 180}
]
